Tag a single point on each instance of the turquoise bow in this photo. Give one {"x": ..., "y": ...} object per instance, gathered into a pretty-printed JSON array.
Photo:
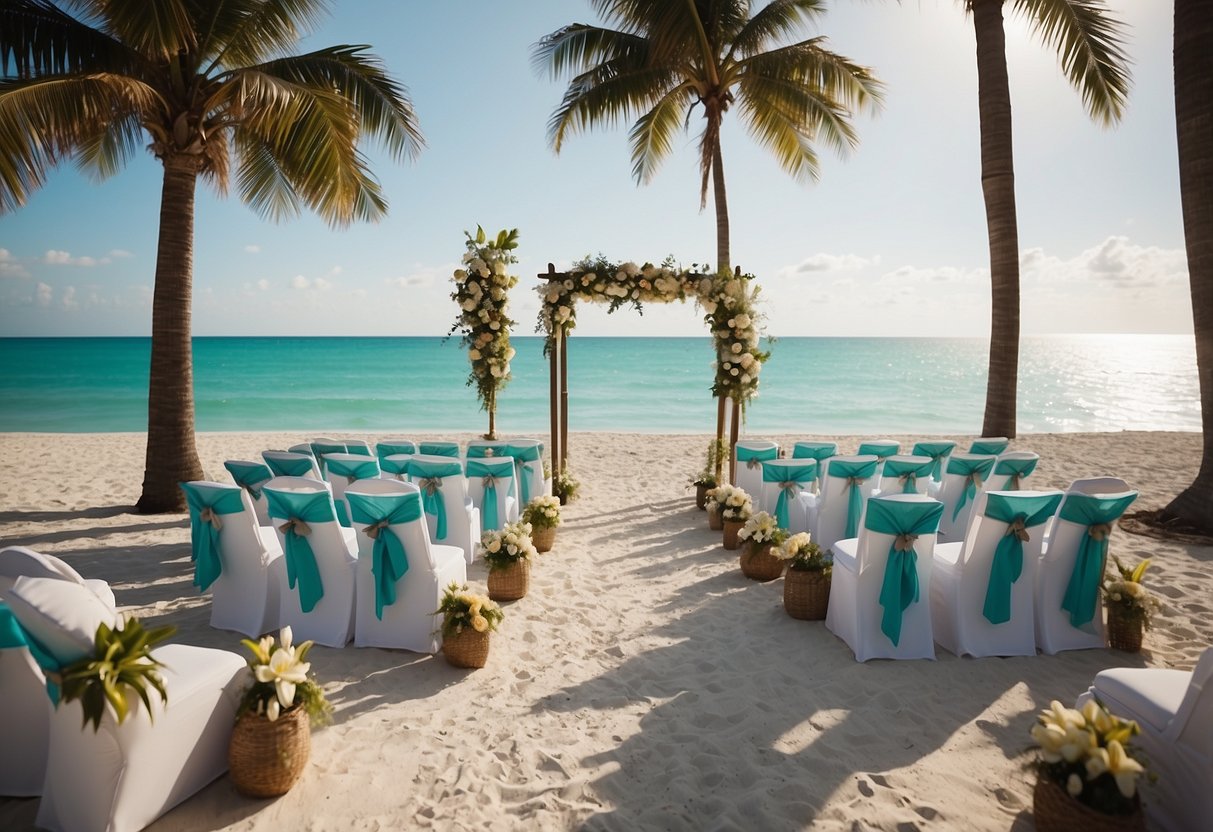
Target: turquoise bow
[
  {"x": 906, "y": 520},
  {"x": 524, "y": 456},
  {"x": 937, "y": 451},
  {"x": 206, "y": 504},
  {"x": 486, "y": 451},
  {"x": 855, "y": 473},
  {"x": 1020, "y": 513},
  {"x": 907, "y": 473},
  {"x": 790, "y": 478},
  {"x": 1016, "y": 470},
  {"x": 429, "y": 476},
  {"x": 299, "y": 466},
  {"x": 974, "y": 471},
  {"x": 249, "y": 475},
  {"x": 1098, "y": 514},
  {"x": 397, "y": 467},
  {"x": 491, "y": 472},
  {"x": 298, "y": 510},
  {"x": 389, "y": 561},
  {"x": 353, "y": 471},
  {"x": 753, "y": 457}
]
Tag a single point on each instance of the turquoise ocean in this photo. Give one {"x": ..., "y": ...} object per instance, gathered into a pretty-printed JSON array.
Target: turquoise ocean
[{"x": 809, "y": 386}]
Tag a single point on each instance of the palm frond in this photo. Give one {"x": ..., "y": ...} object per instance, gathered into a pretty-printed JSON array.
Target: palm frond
[
  {"x": 606, "y": 95},
  {"x": 261, "y": 181},
  {"x": 158, "y": 30},
  {"x": 578, "y": 48},
  {"x": 652, "y": 135},
  {"x": 788, "y": 121},
  {"x": 1089, "y": 41},
  {"x": 668, "y": 25},
  {"x": 247, "y": 32},
  {"x": 817, "y": 68},
  {"x": 37, "y": 39},
  {"x": 778, "y": 19},
  {"x": 107, "y": 151}
]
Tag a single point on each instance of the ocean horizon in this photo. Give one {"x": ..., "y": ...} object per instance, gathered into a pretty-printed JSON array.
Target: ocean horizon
[{"x": 811, "y": 385}]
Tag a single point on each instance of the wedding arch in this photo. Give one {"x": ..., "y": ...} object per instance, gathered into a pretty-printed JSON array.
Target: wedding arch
[{"x": 728, "y": 301}]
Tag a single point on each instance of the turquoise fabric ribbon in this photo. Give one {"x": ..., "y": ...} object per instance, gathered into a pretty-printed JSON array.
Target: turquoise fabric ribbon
[
  {"x": 321, "y": 450},
  {"x": 386, "y": 449},
  {"x": 491, "y": 472},
  {"x": 1016, "y": 470},
  {"x": 249, "y": 475},
  {"x": 298, "y": 511},
  {"x": 989, "y": 446},
  {"x": 207, "y": 504},
  {"x": 486, "y": 451},
  {"x": 1020, "y": 513},
  {"x": 906, "y": 521},
  {"x": 974, "y": 471},
  {"x": 937, "y": 451},
  {"x": 440, "y": 449},
  {"x": 907, "y": 473},
  {"x": 814, "y": 450},
  {"x": 389, "y": 561},
  {"x": 1097, "y": 514},
  {"x": 753, "y": 458},
  {"x": 300, "y": 466},
  {"x": 523, "y": 455},
  {"x": 367, "y": 469},
  {"x": 429, "y": 476},
  {"x": 357, "y": 450},
  {"x": 11, "y": 634},
  {"x": 855, "y": 473},
  {"x": 397, "y": 467},
  {"x": 789, "y": 477},
  {"x": 879, "y": 449}
]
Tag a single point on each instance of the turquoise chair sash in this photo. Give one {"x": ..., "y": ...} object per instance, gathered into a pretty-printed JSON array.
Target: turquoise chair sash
[
  {"x": 298, "y": 510},
  {"x": 856, "y": 474},
  {"x": 249, "y": 475},
  {"x": 386, "y": 449},
  {"x": 879, "y": 449},
  {"x": 206, "y": 506},
  {"x": 492, "y": 472},
  {"x": 906, "y": 521},
  {"x": 754, "y": 457},
  {"x": 440, "y": 449},
  {"x": 301, "y": 467},
  {"x": 486, "y": 451},
  {"x": 975, "y": 471},
  {"x": 321, "y": 450},
  {"x": 389, "y": 561},
  {"x": 989, "y": 446},
  {"x": 907, "y": 473},
  {"x": 936, "y": 451},
  {"x": 367, "y": 469},
  {"x": 789, "y": 477},
  {"x": 1015, "y": 471},
  {"x": 429, "y": 476},
  {"x": 1097, "y": 514},
  {"x": 397, "y": 467},
  {"x": 814, "y": 450},
  {"x": 358, "y": 449},
  {"x": 1020, "y": 513},
  {"x": 522, "y": 455},
  {"x": 13, "y": 635}
]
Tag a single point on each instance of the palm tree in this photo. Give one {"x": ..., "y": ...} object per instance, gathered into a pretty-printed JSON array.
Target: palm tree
[
  {"x": 1088, "y": 41},
  {"x": 666, "y": 57},
  {"x": 212, "y": 84},
  {"x": 1194, "y": 131}
]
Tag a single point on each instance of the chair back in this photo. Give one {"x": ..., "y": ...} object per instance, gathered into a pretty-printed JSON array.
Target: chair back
[
  {"x": 223, "y": 531},
  {"x": 787, "y": 492},
  {"x": 989, "y": 445},
  {"x": 251, "y": 476},
  {"x": 358, "y": 447},
  {"x": 962, "y": 481},
  {"x": 439, "y": 448},
  {"x": 1010, "y": 471},
  {"x": 938, "y": 451},
  {"x": 898, "y": 541},
  {"x": 443, "y": 491},
  {"x": 317, "y": 558},
  {"x": 819, "y": 451},
  {"x": 391, "y": 532},
  {"x": 20, "y": 561},
  {"x": 292, "y": 464},
  {"x": 1193, "y": 722},
  {"x": 393, "y": 447},
  {"x": 905, "y": 474},
  {"x": 528, "y": 467},
  {"x": 1099, "y": 485},
  {"x": 486, "y": 448},
  {"x": 748, "y": 456},
  {"x": 848, "y": 483},
  {"x": 344, "y": 470},
  {"x": 322, "y": 447},
  {"x": 491, "y": 485},
  {"x": 881, "y": 448},
  {"x": 302, "y": 448}
]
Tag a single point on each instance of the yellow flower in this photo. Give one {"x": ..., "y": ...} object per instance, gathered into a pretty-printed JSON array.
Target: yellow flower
[
  {"x": 1097, "y": 717},
  {"x": 1061, "y": 716},
  {"x": 1117, "y": 762},
  {"x": 480, "y": 623},
  {"x": 1074, "y": 785}
]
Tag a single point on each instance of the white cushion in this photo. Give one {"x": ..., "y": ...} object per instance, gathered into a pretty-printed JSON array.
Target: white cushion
[
  {"x": 16, "y": 561},
  {"x": 1151, "y": 694},
  {"x": 62, "y": 616}
]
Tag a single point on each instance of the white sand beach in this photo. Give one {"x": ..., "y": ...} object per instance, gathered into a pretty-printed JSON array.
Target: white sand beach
[{"x": 644, "y": 683}]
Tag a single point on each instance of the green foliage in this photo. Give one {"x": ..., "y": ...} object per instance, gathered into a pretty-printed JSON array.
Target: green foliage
[{"x": 120, "y": 667}]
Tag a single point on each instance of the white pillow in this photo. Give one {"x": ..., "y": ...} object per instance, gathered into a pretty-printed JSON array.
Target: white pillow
[
  {"x": 62, "y": 616},
  {"x": 16, "y": 561}
]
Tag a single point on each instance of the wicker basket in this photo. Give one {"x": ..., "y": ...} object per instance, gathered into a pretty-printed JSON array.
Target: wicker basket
[
  {"x": 266, "y": 758},
  {"x": 1125, "y": 631},
  {"x": 467, "y": 649},
  {"x": 701, "y": 497},
  {"x": 731, "y": 528},
  {"x": 758, "y": 564},
  {"x": 510, "y": 583},
  {"x": 1056, "y": 811},
  {"x": 544, "y": 539},
  {"x": 715, "y": 521},
  {"x": 806, "y": 594}
]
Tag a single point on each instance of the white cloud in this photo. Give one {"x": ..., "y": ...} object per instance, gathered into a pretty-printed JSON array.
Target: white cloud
[
  {"x": 253, "y": 248},
  {"x": 410, "y": 281},
  {"x": 322, "y": 284},
  {"x": 263, "y": 284},
  {"x": 822, "y": 262},
  {"x": 43, "y": 295},
  {"x": 119, "y": 253},
  {"x": 64, "y": 258},
  {"x": 1116, "y": 262},
  {"x": 10, "y": 267},
  {"x": 68, "y": 298},
  {"x": 300, "y": 282}
]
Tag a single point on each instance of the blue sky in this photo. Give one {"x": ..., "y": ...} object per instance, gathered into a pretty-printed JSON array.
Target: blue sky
[{"x": 890, "y": 241}]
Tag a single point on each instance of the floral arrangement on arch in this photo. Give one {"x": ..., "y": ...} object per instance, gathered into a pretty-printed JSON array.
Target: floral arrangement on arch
[
  {"x": 482, "y": 288},
  {"x": 728, "y": 301}
]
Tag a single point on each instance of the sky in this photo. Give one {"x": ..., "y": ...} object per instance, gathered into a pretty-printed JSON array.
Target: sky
[{"x": 890, "y": 241}]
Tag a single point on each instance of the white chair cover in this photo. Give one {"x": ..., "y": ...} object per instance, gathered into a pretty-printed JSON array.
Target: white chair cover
[
  {"x": 292, "y": 464},
  {"x": 899, "y": 471},
  {"x": 834, "y": 501},
  {"x": 462, "y": 518},
  {"x": 962, "y": 480},
  {"x": 409, "y": 623},
  {"x": 1174, "y": 709},
  {"x": 1003, "y": 477},
  {"x": 748, "y": 456},
  {"x": 343, "y": 470},
  {"x": 799, "y": 500},
  {"x": 506, "y": 489}
]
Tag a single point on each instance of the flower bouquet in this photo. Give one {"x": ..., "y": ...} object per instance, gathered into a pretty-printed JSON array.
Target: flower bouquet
[
  {"x": 735, "y": 508},
  {"x": 467, "y": 621},
  {"x": 806, "y": 583},
  {"x": 542, "y": 514},
  {"x": 271, "y": 742},
  {"x": 1086, "y": 773},
  {"x": 508, "y": 554},
  {"x": 1129, "y": 607},
  {"x": 761, "y": 534},
  {"x": 564, "y": 487}
]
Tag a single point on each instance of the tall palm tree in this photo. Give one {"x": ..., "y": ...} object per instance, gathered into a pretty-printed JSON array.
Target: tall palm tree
[
  {"x": 664, "y": 58},
  {"x": 1194, "y": 131},
  {"x": 212, "y": 84},
  {"x": 1088, "y": 41}
]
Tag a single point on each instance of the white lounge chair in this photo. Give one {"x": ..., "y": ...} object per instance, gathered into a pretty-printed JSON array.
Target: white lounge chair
[
  {"x": 748, "y": 455},
  {"x": 962, "y": 481},
  {"x": 450, "y": 515},
  {"x": 491, "y": 485},
  {"x": 848, "y": 483},
  {"x": 401, "y": 575},
  {"x": 1174, "y": 709},
  {"x": 787, "y": 492}
]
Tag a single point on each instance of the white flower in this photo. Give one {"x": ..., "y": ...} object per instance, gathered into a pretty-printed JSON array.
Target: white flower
[
  {"x": 476, "y": 264},
  {"x": 468, "y": 305},
  {"x": 460, "y": 274},
  {"x": 1074, "y": 785},
  {"x": 284, "y": 670},
  {"x": 483, "y": 272},
  {"x": 499, "y": 268},
  {"x": 474, "y": 355},
  {"x": 736, "y": 348},
  {"x": 743, "y": 321}
]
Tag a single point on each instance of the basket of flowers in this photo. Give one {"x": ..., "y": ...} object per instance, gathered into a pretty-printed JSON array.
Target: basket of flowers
[
  {"x": 468, "y": 620},
  {"x": 1129, "y": 607},
  {"x": 735, "y": 508},
  {"x": 806, "y": 583},
  {"x": 508, "y": 554},
  {"x": 543, "y": 516},
  {"x": 761, "y": 534}
]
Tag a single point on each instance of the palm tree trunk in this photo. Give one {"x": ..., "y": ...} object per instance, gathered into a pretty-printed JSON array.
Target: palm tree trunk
[
  {"x": 722, "y": 210},
  {"x": 1194, "y": 130},
  {"x": 998, "y": 188},
  {"x": 171, "y": 455}
]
